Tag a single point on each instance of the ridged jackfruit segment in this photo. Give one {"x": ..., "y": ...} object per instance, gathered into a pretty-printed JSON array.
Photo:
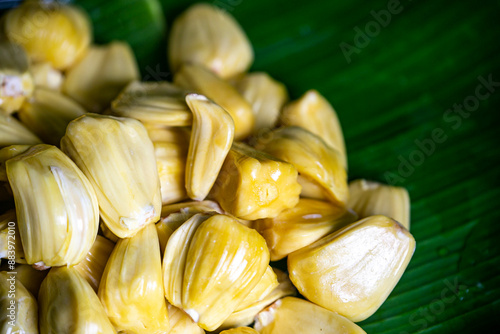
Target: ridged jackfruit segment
[
  {"x": 253, "y": 185},
  {"x": 207, "y": 35},
  {"x": 118, "y": 158},
  {"x": 353, "y": 270}
]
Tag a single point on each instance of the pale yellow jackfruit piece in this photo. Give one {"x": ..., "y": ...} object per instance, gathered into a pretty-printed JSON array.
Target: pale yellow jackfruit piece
[
  {"x": 47, "y": 113},
  {"x": 247, "y": 315},
  {"x": 44, "y": 75},
  {"x": 266, "y": 95},
  {"x": 353, "y": 270},
  {"x": 118, "y": 157},
  {"x": 233, "y": 257},
  {"x": 267, "y": 283},
  {"x": 314, "y": 159},
  {"x": 92, "y": 267},
  {"x": 159, "y": 103},
  {"x": 50, "y": 31},
  {"x": 209, "y": 36},
  {"x": 240, "y": 330},
  {"x": 68, "y": 305},
  {"x": 56, "y": 207},
  {"x": 158, "y": 133},
  {"x": 297, "y": 316},
  {"x": 171, "y": 163},
  {"x": 176, "y": 214},
  {"x": 369, "y": 198},
  {"x": 19, "y": 307},
  {"x": 181, "y": 323},
  {"x": 311, "y": 189},
  {"x": 16, "y": 83},
  {"x": 13, "y": 132},
  {"x": 253, "y": 185},
  {"x": 300, "y": 226},
  {"x": 30, "y": 277},
  {"x": 11, "y": 247},
  {"x": 211, "y": 138},
  {"x": 202, "y": 81},
  {"x": 314, "y": 113},
  {"x": 131, "y": 288},
  {"x": 7, "y": 153},
  {"x": 100, "y": 75}
]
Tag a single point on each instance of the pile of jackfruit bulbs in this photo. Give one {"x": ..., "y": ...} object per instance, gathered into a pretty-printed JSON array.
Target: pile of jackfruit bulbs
[{"x": 159, "y": 207}]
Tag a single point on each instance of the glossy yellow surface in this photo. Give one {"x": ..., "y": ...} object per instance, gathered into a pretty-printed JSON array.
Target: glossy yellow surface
[
  {"x": 302, "y": 225},
  {"x": 13, "y": 132},
  {"x": 297, "y": 316},
  {"x": 314, "y": 113},
  {"x": 131, "y": 288},
  {"x": 253, "y": 185},
  {"x": 19, "y": 307},
  {"x": 49, "y": 31},
  {"x": 208, "y": 36},
  {"x": 353, "y": 270},
  {"x": 211, "y": 263},
  {"x": 68, "y": 305},
  {"x": 370, "y": 198},
  {"x": 266, "y": 95},
  {"x": 56, "y": 206},
  {"x": 158, "y": 103},
  {"x": 171, "y": 162},
  {"x": 313, "y": 158},
  {"x": 211, "y": 138},
  {"x": 202, "y": 81},
  {"x": 118, "y": 157},
  {"x": 92, "y": 266}
]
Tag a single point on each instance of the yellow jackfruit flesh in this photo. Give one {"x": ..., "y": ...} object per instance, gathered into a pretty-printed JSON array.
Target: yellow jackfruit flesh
[
  {"x": 68, "y": 304},
  {"x": 293, "y": 315},
  {"x": 314, "y": 113},
  {"x": 13, "y": 132},
  {"x": 30, "y": 277},
  {"x": 11, "y": 247},
  {"x": 16, "y": 83},
  {"x": 56, "y": 207},
  {"x": 100, "y": 75},
  {"x": 19, "y": 307},
  {"x": 312, "y": 157},
  {"x": 49, "y": 31},
  {"x": 211, "y": 139},
  {"x": 92, "y": 267},
  {"x": 266, "y": 95},
  {"x": 370, "y": 198},
  {"x": 210, "y": 265},
  {"x": 253, "y": 185},
  {"x": 118, "y": 157},
  {"x": 200, "y": 80},
  {"x": 209, "y": 36},
  {"x": 353, "y": 270},
  {"x": 159, "y": 103},
  {"x": 300, "y": 226},
  {"x": 131, "y": 288},
  {"x": 245, "y": 316},
  {"x": 181, "y": 323},
  {"x": 176, "y": 214},
  {"x": 47, "y": 113},
  {"x": 171, "y": 163}
]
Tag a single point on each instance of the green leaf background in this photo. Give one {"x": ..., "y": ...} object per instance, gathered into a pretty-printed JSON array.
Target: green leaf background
[{"x": 397, "y": 93}]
